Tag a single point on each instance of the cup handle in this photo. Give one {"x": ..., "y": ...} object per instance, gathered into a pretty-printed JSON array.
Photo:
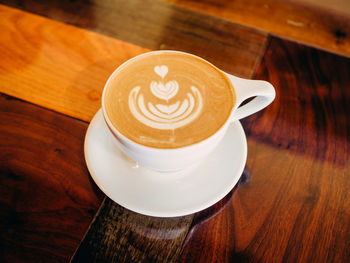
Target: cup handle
[{"x": 263, "y": 92}]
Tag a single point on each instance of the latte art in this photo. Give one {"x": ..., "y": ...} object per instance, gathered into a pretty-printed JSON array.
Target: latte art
[
  {"x": 165, "y": 116},
  {"x": 164, "y": 92},
  {"x": 168, "y": 99}
]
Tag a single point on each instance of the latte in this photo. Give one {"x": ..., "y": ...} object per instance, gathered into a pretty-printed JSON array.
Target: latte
[{"x": 168, "y": 99}]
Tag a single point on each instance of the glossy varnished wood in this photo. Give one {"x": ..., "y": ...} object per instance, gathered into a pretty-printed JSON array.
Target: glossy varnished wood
[
  {"x": 120, "y": 235},
  {"x": 55, "y": 65},
  {"x": 307, "y": 22},
  {"x": 47, "y": 198},
  {"x": 296, "y": 207},
  {"x": 156, "y": 24}
]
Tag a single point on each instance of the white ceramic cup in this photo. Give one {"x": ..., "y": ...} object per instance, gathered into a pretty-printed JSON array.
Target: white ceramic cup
[{"x": 168, "y": 160}]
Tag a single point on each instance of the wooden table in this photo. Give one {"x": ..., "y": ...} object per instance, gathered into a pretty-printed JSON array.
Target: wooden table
[{"x": 292, "y": 203}]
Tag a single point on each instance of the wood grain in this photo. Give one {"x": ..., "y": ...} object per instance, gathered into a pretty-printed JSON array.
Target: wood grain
[
  {"x": 156, "y": 24},
  {"x": 307, "y": 23},
  {"x": 55, "y": 65},
  {"x": 120, "y": 235},
  {"x": 47, "y": 198},
  {"x": 296, "y": 207}
]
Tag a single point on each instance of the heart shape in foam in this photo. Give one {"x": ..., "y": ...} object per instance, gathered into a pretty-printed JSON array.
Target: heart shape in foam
[
  {"x": 164, "y": 92},
  {"x": 161, "y": 71}
]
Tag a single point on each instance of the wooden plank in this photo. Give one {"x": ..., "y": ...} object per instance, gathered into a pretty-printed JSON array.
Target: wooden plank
[
  {"x": 340, "y": 6},
  {"x": 156, "y": 24},
  {"x": 47, "y": 198},
  {"x": 296, "y": 207},
  {"x": 120, "y": 235},
  {"x": 300, "y": 21},
  {"x": 55, "y": 65}
]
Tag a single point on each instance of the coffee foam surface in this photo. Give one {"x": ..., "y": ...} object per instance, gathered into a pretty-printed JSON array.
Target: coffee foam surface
[{"x": 168, "y": 99}]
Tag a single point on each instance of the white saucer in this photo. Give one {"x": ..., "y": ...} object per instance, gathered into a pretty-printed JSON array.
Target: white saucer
[{"x": 164, "y": 194}]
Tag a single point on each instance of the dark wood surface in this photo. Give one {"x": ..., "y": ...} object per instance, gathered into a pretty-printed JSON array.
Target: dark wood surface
[
  {"x": 156, "y": 24},
  {"x": 120, "y": 235},
  {"x": 296, "y": 206},
  {"x": 47, "y": 198}
]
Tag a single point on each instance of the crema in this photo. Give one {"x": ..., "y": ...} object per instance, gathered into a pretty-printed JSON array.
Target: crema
[{"x": 168, "y": 99}]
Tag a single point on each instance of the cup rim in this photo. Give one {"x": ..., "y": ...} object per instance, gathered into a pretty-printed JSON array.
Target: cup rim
[{"x": 118, "y": 134}]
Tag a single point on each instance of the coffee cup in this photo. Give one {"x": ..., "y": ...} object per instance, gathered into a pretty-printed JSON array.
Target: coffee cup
[{"x": 167, "y": 110}]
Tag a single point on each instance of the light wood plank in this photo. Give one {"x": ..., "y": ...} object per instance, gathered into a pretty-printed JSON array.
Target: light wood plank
[
  {"x": 55, "y": 65},
  {"x": 308, "y": 23},
  {"x": 157, "y": 24}
]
